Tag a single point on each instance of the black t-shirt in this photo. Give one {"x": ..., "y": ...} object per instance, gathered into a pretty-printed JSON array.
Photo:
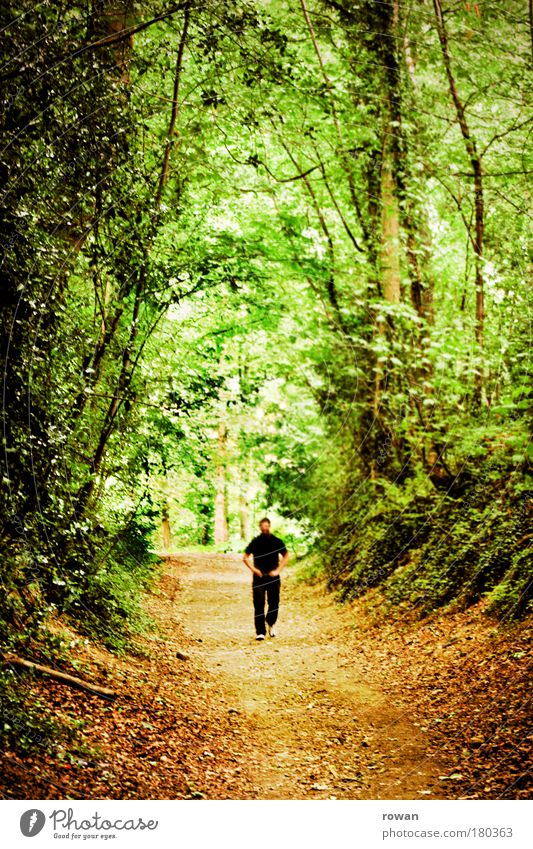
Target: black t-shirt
[{"x": 266, "y": 549}]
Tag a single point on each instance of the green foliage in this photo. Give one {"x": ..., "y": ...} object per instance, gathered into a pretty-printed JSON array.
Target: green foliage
[
  {"x": 374, "y": 540},
  {"x": 442, "y": 551},
  {"x": 310, "y": 569},
  {"x": 108, "y": 607},
  {"x": 512, "y": 597},
  {"x": 28, "y": 723}
]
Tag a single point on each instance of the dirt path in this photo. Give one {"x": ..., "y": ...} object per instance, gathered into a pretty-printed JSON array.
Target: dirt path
[
  {"x": 318, "y": 725},
  {"x": 203, "y": 711}
]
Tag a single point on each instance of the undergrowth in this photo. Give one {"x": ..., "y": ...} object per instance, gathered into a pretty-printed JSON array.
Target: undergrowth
[{"x": 434, "y": 550}]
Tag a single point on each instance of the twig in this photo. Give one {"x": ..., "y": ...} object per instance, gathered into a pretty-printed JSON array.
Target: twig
[{"x": 103, "y": 692}]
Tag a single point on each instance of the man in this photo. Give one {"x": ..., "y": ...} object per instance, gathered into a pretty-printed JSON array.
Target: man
[{"x": 269, "y": 557}]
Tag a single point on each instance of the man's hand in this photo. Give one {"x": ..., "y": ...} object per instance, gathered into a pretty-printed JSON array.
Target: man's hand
[
  {"x": 274, "y": 573},
  {"x": 257, "y": 572}
]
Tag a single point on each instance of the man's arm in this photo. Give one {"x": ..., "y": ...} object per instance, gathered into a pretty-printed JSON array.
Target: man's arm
[
  {"x": 284, "y": 558},
  {"x": 246, "y": 560}
]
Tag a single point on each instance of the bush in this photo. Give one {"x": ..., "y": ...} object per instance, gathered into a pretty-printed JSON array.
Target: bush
[
  {"x": 107, "y": 604},
  {"x": 438, "y": 550},
  {"x": 24, "y": 723}
]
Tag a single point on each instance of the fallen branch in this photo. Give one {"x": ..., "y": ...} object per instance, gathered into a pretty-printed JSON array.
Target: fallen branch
[{"x": 104, "y": 692}]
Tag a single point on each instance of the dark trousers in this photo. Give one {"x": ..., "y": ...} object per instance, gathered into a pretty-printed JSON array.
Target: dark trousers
[{"x": 261, "y": 586}]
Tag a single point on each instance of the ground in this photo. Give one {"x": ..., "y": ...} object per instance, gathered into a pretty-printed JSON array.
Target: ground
[
  {"x": 319, "y": 726},
  {"x": 336, "y": 706}
]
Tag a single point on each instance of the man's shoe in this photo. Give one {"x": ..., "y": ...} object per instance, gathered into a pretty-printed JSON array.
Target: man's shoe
[
  {"x": 271, "y": 630},
  {"x": 259, "y": 636}
]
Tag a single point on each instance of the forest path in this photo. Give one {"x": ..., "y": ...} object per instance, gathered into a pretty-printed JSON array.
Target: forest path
[{"x": 319, "y": 724}]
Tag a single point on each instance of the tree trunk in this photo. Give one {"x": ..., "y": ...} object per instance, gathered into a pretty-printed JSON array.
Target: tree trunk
[
  {"x": 129, "y": 360},
  {"x": 345, "y": 160},
  {"x": 107, "y": 20},
  {"x": 165, "y": 528},
  {"x": 479, "y": 214},
  {"x": 221, "y": 522},
  {"x": 390, "y": 231},
  {"x": 390, "y": 279},
  {"x": 245, "y": 524},
  {"x": 244, "y": 517},
  {"x": 413, "y": 214}
]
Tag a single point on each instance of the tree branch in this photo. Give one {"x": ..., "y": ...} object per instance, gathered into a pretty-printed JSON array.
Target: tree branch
[
  {"x": 129, "y": 31},
  {"x": 71, "y": 680},
  {"x": 300, "y": 176},
  {"x": 107, "y": 41}
]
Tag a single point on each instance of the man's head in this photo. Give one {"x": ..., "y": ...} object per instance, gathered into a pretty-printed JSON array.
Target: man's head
[{"x": 264, "y": 526}]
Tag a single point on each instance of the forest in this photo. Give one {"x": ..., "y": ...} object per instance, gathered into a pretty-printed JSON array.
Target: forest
[{"x": 264, "y": 257}]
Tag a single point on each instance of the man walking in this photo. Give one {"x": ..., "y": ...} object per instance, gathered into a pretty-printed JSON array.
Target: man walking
[{"x": 269, "y": 556}]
